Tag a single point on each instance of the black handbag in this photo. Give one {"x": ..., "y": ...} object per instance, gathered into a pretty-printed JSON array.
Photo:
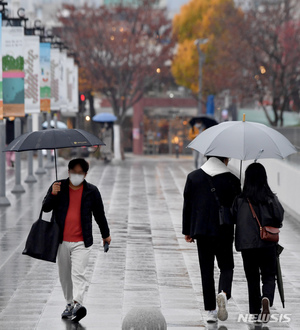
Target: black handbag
[
  {"x": 225, "y": 216},
  {"x": 43, "y": 240}
]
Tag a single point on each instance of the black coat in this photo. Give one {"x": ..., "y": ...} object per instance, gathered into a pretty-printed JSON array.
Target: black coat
[
  {"x": 247, "y": 233},
  {"x": 200, "y": 209},
  {"x": 91, "y": 203}
]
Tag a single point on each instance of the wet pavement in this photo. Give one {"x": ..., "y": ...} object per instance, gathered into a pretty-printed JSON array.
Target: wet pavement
[{"x": 148, "y": 264}]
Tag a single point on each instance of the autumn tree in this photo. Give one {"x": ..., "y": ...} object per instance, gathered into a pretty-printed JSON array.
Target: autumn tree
[
  {"x": 120, "y": 49},
  {"x": 206, "y": 19},
  {"x": 271, "y": 36}
]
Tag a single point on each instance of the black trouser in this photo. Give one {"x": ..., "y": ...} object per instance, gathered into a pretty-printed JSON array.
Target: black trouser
[
  {"x": 260, "y": 263},
  {"x": 210, "y": 247}
]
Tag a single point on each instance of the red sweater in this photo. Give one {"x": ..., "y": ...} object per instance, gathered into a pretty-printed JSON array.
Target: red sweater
[{"x": 73, "y": 229}]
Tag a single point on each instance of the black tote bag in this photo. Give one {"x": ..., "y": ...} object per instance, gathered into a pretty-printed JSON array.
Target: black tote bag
[{"x": 43, "y": 240}]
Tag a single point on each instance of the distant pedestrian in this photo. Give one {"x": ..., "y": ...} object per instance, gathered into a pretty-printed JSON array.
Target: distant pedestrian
[
  {"x": 201, "y": 223},
  {"x": 10, "y": 158},
  {"x": 194, "y": 131},
  {"x": 259, "y": 257},
  {"x": 74, "y": 201},
  {"x": 106, "y": 135}
]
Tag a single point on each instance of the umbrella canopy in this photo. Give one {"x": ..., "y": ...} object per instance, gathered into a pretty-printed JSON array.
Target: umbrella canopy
[
  {"x": 279, "y": 275},
  {"x": 54, "y": 139},
  {"x": 207, "y": 121},
  {"x": 104, "y": 117},
  {"x": 60, "y": 124},
  {"x": 242, "y": 140}
]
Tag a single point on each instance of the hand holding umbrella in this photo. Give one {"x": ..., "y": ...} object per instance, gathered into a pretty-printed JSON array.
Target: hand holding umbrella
[{"x": 56, "y": 188}]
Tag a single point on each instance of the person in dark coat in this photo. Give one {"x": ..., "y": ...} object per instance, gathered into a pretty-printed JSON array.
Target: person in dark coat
[
  {"x": 259, "y": 257},
  {"x": 200, "y": 222},
  {"x": 73, "y": 202}
]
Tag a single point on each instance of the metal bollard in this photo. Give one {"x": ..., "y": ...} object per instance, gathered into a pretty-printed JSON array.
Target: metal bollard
[
  {"x": 3, "y": 199},
  {"x": 40, "y": 169},
  {"x": 18, "y": 188},
  {"x": 147, "y": 318},
  {"x": 30, "y": 177}
]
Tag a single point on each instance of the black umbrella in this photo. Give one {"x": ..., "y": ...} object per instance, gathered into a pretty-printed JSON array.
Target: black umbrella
[
  {"x": 279, "y": 274},
  {"x": 207, "y": 121},
  {"x": 54, "y": 139}
]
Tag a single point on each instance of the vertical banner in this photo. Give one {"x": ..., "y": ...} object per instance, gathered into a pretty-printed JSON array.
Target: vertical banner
[
  {"x": 75, "y": 89},
  {"x": 32, "y": 73},
  {"x": 13, "y": 71},
  {"x": 63, "y": 81},
  {"x": 55, "y": 71},
  {"x": 70, "y": 82},
  {"x": 1, "y": 93},
  {"x": 45, "y": 76}
]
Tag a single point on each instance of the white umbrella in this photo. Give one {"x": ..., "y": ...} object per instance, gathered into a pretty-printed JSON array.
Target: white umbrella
[{"x": 242, "y": 140}]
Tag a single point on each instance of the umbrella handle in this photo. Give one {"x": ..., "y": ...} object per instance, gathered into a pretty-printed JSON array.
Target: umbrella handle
[
  {"x": 241, "y": 163},
  {"x": 55, "y": 163}
]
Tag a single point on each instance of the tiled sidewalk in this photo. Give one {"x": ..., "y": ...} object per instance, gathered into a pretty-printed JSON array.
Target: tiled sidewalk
[{"x": 148, "y": 264}]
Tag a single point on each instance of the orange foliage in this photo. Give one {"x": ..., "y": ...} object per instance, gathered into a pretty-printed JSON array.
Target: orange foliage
[{"x": 201, "y": 19}]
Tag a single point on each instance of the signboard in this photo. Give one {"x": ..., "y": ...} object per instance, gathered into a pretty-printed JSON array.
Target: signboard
[
  {"x": 75, "y": 89},
  {"x": 63, "y": 81},
  {"x": 13, "y": 71},
  {"x": 1, "y": 94},
  {"x": 45, "y": 76},
  {"x": 55, "y": 71},
  {"x": 70, "y": 82},
  {"x": 32, "y": 73}
]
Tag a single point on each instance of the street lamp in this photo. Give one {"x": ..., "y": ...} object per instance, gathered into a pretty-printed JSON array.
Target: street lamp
[{"x": 201, "y": 59}]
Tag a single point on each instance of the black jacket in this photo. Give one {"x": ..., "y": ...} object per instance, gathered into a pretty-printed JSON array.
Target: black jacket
[
  {"x": 91, "y": 203},
  {"x": 247, "y": 233},
  {"x": 200, "y": 210}
]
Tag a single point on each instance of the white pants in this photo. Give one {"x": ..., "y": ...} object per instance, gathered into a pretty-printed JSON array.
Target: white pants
[{"x": 72, "y": 259}]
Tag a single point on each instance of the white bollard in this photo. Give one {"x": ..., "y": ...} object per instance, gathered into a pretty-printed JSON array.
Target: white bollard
[{"x": 147, "y": 318}]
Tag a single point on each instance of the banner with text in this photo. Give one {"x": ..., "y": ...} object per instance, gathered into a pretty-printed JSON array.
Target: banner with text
[
  {"x": 63, "y": 81},
  {"x": 55, "y": 72},
  {"x": 70, "y": 82},
  {"x": 45, "y": 76},
  {"x": 75, "y": 89},
  {"x": 1, "y": 94},
  {"x": 13, "y": 71},
  {"x": 32, "y": 73}
]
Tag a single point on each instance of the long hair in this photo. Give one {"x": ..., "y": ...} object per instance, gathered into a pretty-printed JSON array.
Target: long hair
[{"x": 256, "y": 186}]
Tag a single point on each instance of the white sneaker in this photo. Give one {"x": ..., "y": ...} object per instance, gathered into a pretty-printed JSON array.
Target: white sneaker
[
  {"x": 212, "y": 316},
  {"x": 222, "y": 304}
]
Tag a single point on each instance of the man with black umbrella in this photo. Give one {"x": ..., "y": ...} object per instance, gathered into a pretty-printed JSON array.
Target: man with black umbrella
[{"x": 73, "y": 202}]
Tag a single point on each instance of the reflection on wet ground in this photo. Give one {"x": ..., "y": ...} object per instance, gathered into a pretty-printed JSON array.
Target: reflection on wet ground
[{"x": 148, "y": 264}]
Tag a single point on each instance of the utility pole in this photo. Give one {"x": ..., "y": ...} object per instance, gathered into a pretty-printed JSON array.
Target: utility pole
[{"x": 201, "y": 59}]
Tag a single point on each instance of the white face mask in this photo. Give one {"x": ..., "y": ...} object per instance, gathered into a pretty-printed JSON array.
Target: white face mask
[{"x": 76, "y": 179}]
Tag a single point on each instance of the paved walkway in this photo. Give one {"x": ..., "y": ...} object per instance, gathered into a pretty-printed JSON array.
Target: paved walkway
[{"x": 148, "y": 264}]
